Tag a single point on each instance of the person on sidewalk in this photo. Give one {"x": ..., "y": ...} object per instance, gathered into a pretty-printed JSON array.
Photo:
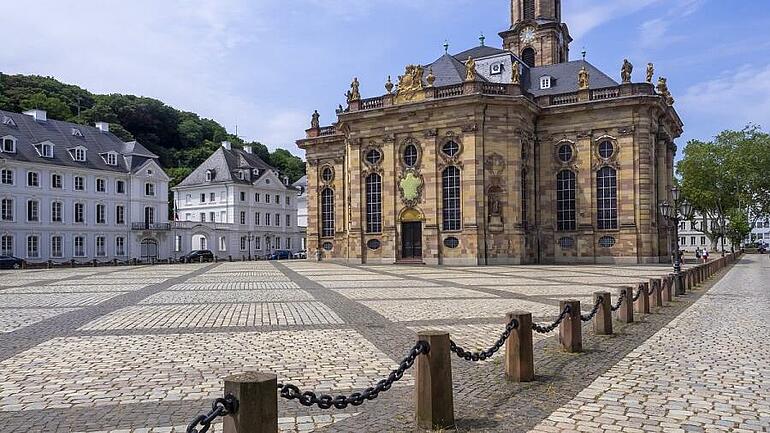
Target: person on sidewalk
[{"x": 705, "y": 256}]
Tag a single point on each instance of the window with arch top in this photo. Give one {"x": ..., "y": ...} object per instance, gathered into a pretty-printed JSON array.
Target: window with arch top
[
  {"x": 606, "y": 199},
  {"x": 327, "y": 212},
  {"x": 529, "y": 9},
  {"x": 565, "y": 201},
  {"x": 450, "y": 188},
  {"x": 410, "y": 155},
  {"x": 528, "y": 56},
  {"x": 373, "y": 203}
]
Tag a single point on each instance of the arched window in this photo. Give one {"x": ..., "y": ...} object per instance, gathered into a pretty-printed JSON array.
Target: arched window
[
  {"x": 327, "y": 212},
  {"x": 451, "y": 198},
  {"x": 373, "y": 203},
  {"x": 524, "y": 209},
  {"x": 410, "y": 155},
  {"x": 606, "y": 199},
  {"x": 565, "y": 201},
  {"x": 529, "y": 9},
  {"x": 528, "y": 56}
]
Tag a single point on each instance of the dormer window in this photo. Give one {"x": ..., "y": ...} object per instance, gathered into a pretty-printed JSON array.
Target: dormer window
[
  {"x": 545, "y": 82},
  {"x": 8, "y": 144},
  {"x": 78, "y": 153},
  {"x": 209, "y": 175},
  {"x": 8, "y": 121},
  {"x": 44, "y": 149},
  {"x": 110, "y": 158},
  {"x": 255, "y": 172},
  {"x": 76, "y": 133},
  {"x": 240, "y": 175}
]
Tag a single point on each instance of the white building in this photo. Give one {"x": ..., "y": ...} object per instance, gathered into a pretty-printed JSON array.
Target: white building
[
  {"x": 235, "y": 204},
  {"x": 69, "y": 191},
  {"x": 760, "y": 231},
  {"x": 301, "y": 187}
]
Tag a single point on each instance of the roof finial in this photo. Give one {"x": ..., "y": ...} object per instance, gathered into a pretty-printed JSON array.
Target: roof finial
[
  {"x": 584, "y": 53},
  {"x": 482, "y": 38},
  {"x": 446, "y": 46}
]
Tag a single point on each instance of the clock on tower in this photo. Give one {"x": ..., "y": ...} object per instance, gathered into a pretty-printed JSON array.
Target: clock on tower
[{"x": 537, "y": 34}]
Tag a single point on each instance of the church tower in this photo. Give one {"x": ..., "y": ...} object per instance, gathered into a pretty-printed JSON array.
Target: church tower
[{"x": 537, "y": 34}]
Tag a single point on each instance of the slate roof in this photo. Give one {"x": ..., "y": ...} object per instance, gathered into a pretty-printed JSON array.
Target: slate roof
[
  {"x": 29, "y": 132},
  {"x": 566, "y": 75},
  {"x": 479, "y": 52},
  {"x": 225, "y": 163},
  {"x": 448, "y": 70}
]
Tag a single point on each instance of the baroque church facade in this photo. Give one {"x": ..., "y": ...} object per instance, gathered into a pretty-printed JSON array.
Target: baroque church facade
[{"x": 497, "y": 156}]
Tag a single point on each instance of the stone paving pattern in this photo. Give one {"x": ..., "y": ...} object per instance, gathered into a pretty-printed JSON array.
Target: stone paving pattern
[{"x": 143, "y": 349}]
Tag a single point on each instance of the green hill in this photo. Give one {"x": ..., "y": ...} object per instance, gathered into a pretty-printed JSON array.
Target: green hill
[{"x": 183, "y": 140}]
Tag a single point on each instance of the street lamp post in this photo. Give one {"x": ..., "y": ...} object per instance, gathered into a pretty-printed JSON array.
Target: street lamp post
[
  {"x": 250, "y": 237},
  {"x": 680, "y": 210}
]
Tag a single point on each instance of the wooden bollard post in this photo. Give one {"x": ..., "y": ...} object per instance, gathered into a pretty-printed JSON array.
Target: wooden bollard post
[
  {"x": 603, "y": 319},
  {"x": 434, "y": 403},
  {"x": 571, "y": 328},
  {"x": 626, "y": 311},
  {"x": 657, "y": 293},
  {"x": 257, "y": 403},
  {"x": 668, "y": 289},
  {"x": 642, "y": 304},
  {"x": 519, "y": 359}
]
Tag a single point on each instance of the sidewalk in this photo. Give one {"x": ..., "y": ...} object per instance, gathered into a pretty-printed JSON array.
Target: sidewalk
[{"x": 708, "y": 370}]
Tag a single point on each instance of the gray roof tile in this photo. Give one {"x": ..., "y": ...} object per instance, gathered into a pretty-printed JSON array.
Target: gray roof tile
[{"x": 566, "y": 75}]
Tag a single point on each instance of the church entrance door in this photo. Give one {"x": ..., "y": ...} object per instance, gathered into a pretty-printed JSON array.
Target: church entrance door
[{"x": 411, "y": 240}]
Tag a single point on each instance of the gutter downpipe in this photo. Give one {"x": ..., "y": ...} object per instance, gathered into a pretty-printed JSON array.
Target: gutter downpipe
[{"x": 484, "y": 180}]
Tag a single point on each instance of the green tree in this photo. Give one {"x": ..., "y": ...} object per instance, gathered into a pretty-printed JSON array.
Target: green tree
[
  {"x": 738, "y": 226},
  {"x": 52, "y": 105}
]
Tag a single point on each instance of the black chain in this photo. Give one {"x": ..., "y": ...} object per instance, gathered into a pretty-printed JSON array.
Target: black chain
[
  {"x": 222, "y": 406},
  {"x": 638, "y": 293},
  {"x": 309, "y": 398},
  {"x": 589, "y": 316},
  {"x": 484, "y": 354},
  {"x": 621, "y": 298},
  {"x": 652, "y": 290},
  {"x": 546, "y": 329}
]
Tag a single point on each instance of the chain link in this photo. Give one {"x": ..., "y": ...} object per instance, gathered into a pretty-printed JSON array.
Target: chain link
[
  {"x": 222, "y": 406},
  {"x": 638, "y": 293},
  {"x": 484, "y": 354},
  {"x": 589, "y": 316},
  {"x": 546, "y": 329},
  {"x": 324, "y": 401},
  {"x": 621, "y": 298}
]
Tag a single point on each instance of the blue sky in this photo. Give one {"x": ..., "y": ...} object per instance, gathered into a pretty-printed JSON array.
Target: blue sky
[{"x": 267, "y": 64}]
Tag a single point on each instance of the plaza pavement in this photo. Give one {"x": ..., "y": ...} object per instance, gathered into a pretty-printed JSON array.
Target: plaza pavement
[{"x": 144, "y": 349}]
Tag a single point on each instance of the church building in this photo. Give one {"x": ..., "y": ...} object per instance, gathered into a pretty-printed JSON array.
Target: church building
[{"x": 497, "y": 156}]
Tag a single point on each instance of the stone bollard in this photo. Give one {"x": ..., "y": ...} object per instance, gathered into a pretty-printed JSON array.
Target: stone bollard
[
  {"x": 657, "y": 292},
  {"x": 626, "y": 311},
  {"x": 603, "y": 319},
  {"x": 434, "y": 403},
  {"x": 571, "y": 328},
  {"x": 668, "y": 289},
  {"x": 257, "y": 403},
  {"x": 642, "y": 304},
  {"x": 519, "y": 358}
]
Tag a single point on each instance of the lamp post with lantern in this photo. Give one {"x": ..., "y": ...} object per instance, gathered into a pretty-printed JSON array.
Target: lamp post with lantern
[{"x": 679, "y": 210}]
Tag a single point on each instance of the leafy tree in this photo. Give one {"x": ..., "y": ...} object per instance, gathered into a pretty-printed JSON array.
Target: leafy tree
[
  {"x": 54, "y": 106},
  {"x": 738, "y": 226}
]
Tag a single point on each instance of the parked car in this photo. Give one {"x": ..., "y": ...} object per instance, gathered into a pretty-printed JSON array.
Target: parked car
[
  {"x": 197, "y": 255},
  {"x": 280, "y": 255},
  {"x": 300, "y": 254},
  {"x": 11, "y": 262}
]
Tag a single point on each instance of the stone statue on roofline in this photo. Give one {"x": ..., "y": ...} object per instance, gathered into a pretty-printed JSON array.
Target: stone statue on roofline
[
  {"x": 353, "y": 94},
  {"x": 516, "y": 73},
  {"x": 583, "y": 78},
  {"x": 650, "y": 72},
  {"x": 314, "y": 121},
  {"x": 470, "y": 69},
  {"x": 625, "y": 71}
]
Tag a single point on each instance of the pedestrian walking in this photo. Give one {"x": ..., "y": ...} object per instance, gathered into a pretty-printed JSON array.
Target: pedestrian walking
[
  {"x": 705, "y": 256},
  {"x": 697, "y": 253}
]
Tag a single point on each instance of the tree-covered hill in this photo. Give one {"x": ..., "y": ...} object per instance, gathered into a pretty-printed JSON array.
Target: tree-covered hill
[{"x": 182, "y": 140}]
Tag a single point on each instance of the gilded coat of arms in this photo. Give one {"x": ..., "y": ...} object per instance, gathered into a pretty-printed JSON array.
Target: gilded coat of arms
[
  {"x": 411, "y": 188},
  {"x": 410, "y": 88}
]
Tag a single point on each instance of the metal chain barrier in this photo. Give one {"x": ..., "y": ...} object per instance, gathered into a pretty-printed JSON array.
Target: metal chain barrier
[
  {"x": 589, "y": 316},
  {"x": 222, "y": 406},
  {"x": 638, "y": 293},
  {"x": 484, "y": 354},
  {"x": 621, "y": 298},
  {"x": 546, "y": 329},
  {"x": 309, "y": 398}
]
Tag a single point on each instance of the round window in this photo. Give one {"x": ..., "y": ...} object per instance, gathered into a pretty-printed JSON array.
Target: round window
[
  {"x": 327, "y": 246},
  {"x": 566, "y": 243},
  {"x": 450, "y": 148},
  {"x": 374, "y": 244},
  {"x": 451, "y": 242},
  {"x": 327, "y": 174},
  {"x": 410, "y": 155},
  {"x": 606, "y": 242},
  {"x": 373, "y": 156},
  {"x": 565, "y": 153},
  {"x": 606, "y": 149}
]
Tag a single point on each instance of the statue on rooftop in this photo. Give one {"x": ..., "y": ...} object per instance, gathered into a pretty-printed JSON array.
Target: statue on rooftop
[
  {"x": 430, "y": 79},
  {"x": 583, "y": 78},
  {"x": 410, "y": 85},
  {"x": 389, "y": 86},
  {"x": 470, "y": 69},
  {"x": 650, "y": 72},
  {"x": 516, "y": 73},
  {"x": 625, "y": 71},
  {"x": 314, "y": 121},
  {"x": 353, "y": 94}
]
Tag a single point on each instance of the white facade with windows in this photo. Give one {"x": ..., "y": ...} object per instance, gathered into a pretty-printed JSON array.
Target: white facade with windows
[
  {"x": 691, "y": 237},
  {"x": 70, "y": 191},
  {"x": 235, "y": 204}
]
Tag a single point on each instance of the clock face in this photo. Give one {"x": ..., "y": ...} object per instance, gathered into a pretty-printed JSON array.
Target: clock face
[{"x": 528, "y": 35}]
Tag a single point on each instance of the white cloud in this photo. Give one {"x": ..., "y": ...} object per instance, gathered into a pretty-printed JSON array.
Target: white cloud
[
  {"x": 585, "y": 15},
  {"x": 654, "y": 32}
]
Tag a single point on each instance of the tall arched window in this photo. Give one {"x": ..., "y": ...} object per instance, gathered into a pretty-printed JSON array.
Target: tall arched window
[
  {"x": 606, "y": 199},
  {"x": 373, "y": 203},
  {"x": 529, "y": 9},
  {"x": 565, "y": 201},
  {"x": 528, "y": 55},
  {"x": 327, "y": 212},
  {"x": 451, "y": 198}
]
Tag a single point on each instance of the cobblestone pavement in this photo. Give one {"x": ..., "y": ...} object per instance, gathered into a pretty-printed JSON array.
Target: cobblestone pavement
[
  {"x": 706, "y": 371},
  {"x": 144, "y": 349}
]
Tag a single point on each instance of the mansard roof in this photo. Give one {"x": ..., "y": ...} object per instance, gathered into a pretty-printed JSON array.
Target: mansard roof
[
  {"x": 224, "y": 163},
  {"x": 29, "y": 132},
  {"x": 566, "y": 78},
  {"x": 479, "y": 52},
  {"x": 448, "y": 70}
]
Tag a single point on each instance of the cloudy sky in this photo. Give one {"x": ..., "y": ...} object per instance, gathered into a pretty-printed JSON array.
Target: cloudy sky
[{"x": 265, "y": 65}]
